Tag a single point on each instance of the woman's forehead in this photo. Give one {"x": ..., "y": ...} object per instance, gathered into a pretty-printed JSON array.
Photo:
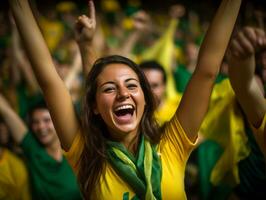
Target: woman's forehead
[{"x": 116, "y": 72}]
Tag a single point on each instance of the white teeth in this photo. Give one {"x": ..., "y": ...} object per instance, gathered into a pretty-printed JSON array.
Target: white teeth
[{"x": 124, "y": 107}]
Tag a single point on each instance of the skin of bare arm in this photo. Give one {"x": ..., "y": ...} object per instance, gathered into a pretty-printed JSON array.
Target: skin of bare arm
[
  {"x": 22, "y": 62},
  {"x": 242, "y": 72},
  {"x": 194, "y": 103},
  {"x": 17, "y": 127},
  {"x": 54, "y": 90},
  {"x": 141, "y": 21},
  {"x": 84, "y": 32}
]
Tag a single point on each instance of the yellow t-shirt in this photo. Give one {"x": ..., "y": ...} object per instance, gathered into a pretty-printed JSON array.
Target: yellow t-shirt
[
  {"x": 260, "y": 136},
  {"x": 14, "y": 182},
  {"x": 167, "y": 110},
  {"x": 174, "y": 150}
]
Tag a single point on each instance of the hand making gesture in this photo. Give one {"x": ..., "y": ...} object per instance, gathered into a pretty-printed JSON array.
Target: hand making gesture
[
  {"x": 86, "y": 25},
  {"x": 84, "y": 33}
]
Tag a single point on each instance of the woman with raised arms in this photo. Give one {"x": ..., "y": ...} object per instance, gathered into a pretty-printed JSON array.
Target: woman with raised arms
[{"x": 118, "y": 150}]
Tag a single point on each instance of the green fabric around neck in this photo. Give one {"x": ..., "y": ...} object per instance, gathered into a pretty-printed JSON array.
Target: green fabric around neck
[{"x": 142, "y": 172}]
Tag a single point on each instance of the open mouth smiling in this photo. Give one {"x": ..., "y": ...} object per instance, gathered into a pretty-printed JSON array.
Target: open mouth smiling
[{"x": 124, "y": 110}]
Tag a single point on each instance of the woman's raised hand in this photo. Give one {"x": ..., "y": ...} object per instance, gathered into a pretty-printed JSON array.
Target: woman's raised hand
[{"x": 86, "y": 25}]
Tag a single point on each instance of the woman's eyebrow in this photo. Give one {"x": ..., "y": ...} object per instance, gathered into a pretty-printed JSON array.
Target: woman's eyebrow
[
  {"x": 108, "y": 82},
  {"x": 112, "y": 82},
  {"x": 130, "y": 79}
]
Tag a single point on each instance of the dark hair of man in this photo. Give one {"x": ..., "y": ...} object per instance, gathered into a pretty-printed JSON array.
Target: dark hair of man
[
  {"x": 93, "y": 158},
  {"x": 153, "y": 65},
  {"x": 39, "y": 105}
]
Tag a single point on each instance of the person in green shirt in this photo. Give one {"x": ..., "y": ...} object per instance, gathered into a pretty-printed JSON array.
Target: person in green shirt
[{"x": 50, "y": 174}]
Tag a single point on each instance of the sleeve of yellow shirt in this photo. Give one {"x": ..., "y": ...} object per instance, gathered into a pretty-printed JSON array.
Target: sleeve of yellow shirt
[
  {"x": 74, "y": 153},
  {"x": 14, "y": 180}
]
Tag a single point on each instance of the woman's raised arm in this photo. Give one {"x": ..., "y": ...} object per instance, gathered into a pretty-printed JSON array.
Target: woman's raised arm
[
  {"x": 195, "y": 101},
  {"x": 54, "y": 90},
  {"x": 85, "y": 28}
]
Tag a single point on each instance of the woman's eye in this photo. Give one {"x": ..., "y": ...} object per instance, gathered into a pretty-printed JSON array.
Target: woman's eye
[
  {"x": 108, "y": 90},
  {"x": 132, "y": 86}
]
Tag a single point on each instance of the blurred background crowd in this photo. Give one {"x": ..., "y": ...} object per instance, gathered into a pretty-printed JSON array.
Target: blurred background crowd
[{"x": 167, "y": 32}]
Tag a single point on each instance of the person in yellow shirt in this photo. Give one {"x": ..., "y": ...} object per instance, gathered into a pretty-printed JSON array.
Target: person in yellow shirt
[
  {"x": 123, "y": 153},
  {"x": 156, "y": 76},
  {"x": 14, "y": 182},
  {"x": 14, "y": 179},
  {"x": 52, "y": 28}
]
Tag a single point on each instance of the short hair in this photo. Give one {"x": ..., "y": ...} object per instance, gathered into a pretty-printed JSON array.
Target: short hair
[
  {"x": 152, "y": 64},
  {"x": 39, "y": 105}
]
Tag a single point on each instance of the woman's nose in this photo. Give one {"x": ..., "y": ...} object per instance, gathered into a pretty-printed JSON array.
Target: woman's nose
[{"x": 123, "y": 93}]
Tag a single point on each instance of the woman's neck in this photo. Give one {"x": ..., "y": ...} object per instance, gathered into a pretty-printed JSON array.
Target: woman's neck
[{"x": 131, "y": 143}]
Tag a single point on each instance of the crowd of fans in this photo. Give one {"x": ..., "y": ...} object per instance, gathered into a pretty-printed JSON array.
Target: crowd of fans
[{"x": 227, "y": 163}]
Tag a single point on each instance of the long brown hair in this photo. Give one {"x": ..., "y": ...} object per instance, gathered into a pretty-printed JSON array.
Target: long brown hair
[{"x": 95, "y": 132}]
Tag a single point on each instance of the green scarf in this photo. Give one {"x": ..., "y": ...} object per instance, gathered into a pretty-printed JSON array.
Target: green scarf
[{"x": 143, "y": 172}]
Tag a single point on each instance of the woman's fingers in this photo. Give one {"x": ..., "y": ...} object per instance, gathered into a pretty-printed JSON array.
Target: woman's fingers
[{"x": 91, "y": 10}]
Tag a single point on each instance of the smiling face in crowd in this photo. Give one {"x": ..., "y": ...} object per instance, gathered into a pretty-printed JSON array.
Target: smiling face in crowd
[
  {"x": 42, "y": 126},
  {"x": 120, "y": 100}
]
